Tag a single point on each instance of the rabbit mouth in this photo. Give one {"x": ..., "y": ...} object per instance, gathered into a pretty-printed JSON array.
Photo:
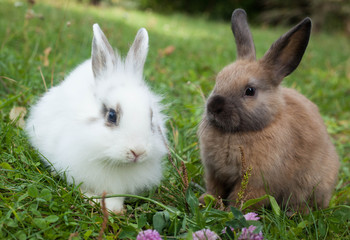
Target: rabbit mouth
[
  {"x": 124, "y": 162},
  {"x": 235, "y": 124},
  {"x": 134, "y": 160},
  {"x": 226, "y": 125}
]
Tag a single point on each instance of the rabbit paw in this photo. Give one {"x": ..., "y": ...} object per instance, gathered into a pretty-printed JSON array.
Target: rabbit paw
[{"x": 115, "y": 204}]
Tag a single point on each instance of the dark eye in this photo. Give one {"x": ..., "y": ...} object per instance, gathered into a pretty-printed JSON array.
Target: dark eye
[
  {"x": 112, "y": 116},
  {"x": 250, "y": 91}
]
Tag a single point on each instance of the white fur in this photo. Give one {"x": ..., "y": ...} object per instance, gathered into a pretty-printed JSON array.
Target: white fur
[{"x": 69, "y": 129}]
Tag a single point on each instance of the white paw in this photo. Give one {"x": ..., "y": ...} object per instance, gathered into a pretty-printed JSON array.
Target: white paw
[{"x": 114, "y": 204}]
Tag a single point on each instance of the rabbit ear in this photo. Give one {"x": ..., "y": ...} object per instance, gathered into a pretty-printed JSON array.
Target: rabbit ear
[
  {"x": 138, "y": 52},
  {"x": 243, "y": 36},
  {"x": 102, "y": 56},
  {"x": 285, "y": 54}
]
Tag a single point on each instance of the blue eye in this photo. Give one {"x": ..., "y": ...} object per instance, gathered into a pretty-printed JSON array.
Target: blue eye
[
  {"x": 250, "y": 91},
  {"x": 112, "y": 116}
]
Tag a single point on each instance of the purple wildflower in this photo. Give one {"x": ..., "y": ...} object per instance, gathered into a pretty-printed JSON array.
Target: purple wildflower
[
  {"x": 148, "y": 235},
  {"x": 251, "y": 216},
  {"x": 224, "y": 230},
  {"x": 247, "y": 234},
  {"x": 205, "y": 234}
]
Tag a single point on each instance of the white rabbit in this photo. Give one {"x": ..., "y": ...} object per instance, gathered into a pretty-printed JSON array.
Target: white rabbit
[{"x": 102, "y": 125}]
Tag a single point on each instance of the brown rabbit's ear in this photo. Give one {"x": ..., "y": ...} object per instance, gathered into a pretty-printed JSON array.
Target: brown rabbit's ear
[
  {"x": 243, "y": 36},
  {"x": 285, "y": 54}
]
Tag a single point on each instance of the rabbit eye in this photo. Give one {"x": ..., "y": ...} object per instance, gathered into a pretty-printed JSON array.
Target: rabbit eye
[
  {"x": 112, "y": 116},
  {"x": 250, "y": 91}
]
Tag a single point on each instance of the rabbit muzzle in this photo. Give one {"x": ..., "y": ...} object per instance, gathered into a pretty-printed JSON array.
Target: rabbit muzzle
[{"x": 222, "y": 113}]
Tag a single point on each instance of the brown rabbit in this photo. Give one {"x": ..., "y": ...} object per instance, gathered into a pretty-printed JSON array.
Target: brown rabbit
[{"x": 280, "y": 131}]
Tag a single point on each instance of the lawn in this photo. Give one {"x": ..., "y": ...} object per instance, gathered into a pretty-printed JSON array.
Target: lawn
[{"x": 41, "y": 43}]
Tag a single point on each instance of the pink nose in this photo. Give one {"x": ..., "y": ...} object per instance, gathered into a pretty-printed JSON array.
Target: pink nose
[{"x": 136, "y": 154}]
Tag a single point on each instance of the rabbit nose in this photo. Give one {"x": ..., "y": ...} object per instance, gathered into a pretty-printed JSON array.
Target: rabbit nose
[
  {"x": 136, "y": 153},
  {"x": 216, "y": 104}
]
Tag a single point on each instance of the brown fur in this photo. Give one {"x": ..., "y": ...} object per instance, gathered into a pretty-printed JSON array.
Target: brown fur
[{"x": 281, "y": 132}]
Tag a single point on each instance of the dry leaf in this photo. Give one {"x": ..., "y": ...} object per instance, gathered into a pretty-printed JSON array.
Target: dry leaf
[
  {"x": 166, "y": 51},
  {"x": 73, "y": 235},
  {"x": 17, "y": 114},
  {"x": 46, "y": 56},
  {"x": 30, "y": 14}
]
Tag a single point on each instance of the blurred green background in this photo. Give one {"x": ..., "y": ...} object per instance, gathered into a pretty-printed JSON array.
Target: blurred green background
[{"x": 327, "y": 15}]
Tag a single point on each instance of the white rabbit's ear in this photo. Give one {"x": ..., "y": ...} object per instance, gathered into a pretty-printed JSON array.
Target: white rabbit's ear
[
  {"x": 138, "y": 52},
  {"x": 102, "y": 56},
  {"x": 285, "y": 54},
  {"x": 243, "y": 36}
]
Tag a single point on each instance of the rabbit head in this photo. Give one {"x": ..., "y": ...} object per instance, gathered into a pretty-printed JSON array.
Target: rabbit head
[
  {"x": 246, "y": 96},
  {"x": 132, "y": 115}
]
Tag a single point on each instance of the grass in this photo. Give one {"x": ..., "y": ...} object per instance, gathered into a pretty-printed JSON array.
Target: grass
[{"x": 45, "y": 41}]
